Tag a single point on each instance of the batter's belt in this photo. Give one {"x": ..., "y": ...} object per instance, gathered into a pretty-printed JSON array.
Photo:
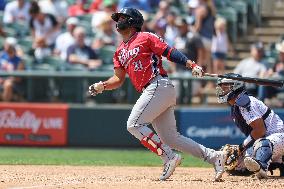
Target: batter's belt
[{"x": 145, "y": 86}]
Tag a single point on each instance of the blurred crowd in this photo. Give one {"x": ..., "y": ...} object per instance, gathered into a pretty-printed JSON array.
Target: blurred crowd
[{"x": 80, "y": 35}]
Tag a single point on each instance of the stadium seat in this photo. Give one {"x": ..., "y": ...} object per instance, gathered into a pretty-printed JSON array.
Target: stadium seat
[
  {"x": 70, "y": 2},
  {"x": 74, "y": 67},
  {"x": 85, "y": 17},
  {"x": 242, "y": 10},
  {"x": 49, "y": 63},
  {"x": 21, "y": 30},
  {"x": 231, "y": 15},
  {"x": 28, "y": 61},
  {"x": 255, "y": 7},
  {"x": 2, "y": 40},
  {"x": 26, "y": 44},
  {"x": 106, "y": 54},
  {"x": 89, "y": 31}
]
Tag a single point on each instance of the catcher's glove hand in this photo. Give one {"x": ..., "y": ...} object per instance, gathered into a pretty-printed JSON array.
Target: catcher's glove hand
[{"x": 233, "y": 153}]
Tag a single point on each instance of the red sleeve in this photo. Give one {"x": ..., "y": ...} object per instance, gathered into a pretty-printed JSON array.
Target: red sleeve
[
  {"x": 115, "y": 60},
  {"x": 157, "y": 44}
]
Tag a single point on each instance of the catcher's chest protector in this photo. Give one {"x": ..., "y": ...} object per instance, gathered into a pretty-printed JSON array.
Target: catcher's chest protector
[{"x": 240, "y": 121}]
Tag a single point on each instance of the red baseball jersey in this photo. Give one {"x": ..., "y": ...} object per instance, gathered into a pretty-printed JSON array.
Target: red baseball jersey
[{"x": 141, "y": 57}]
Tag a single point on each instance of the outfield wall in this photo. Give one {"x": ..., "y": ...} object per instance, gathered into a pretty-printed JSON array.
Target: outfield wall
[{"x": 105, "y": 125}]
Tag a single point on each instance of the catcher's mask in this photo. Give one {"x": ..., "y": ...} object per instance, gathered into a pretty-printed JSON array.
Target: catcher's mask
[
  {"x": 133, "y": 18},
  {"x": 228, "y": 89}
]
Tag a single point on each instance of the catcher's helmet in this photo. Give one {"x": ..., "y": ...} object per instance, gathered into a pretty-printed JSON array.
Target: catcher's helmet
[
  {"x": 133, "y": 18},
  {"x": 235, "y": 88}
]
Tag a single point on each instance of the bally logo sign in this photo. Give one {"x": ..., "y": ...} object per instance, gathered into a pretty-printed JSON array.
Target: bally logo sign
[
  {"x": 33, "y": 124},
  {"x": 28, "y": 120}
]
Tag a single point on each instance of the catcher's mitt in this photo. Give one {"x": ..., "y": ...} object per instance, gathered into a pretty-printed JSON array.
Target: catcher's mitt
[{"x": 232, "y": 155}]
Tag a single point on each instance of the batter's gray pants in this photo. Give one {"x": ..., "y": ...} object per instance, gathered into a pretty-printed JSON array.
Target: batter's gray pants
[{"x": 156, "y": 106}]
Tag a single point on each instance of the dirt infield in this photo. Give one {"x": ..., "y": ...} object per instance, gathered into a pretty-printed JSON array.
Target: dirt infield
[{"x": 47, "y": 177}]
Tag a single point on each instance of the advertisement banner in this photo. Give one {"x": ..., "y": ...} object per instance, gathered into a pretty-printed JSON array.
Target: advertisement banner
[
  {"x": 33, "y": 124},
  {"x": 212, "y": 128}
]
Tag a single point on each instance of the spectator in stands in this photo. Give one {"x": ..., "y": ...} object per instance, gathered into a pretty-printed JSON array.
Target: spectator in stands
[
  {"x": 147, "y": 26},
  {"x": 188, "y": 42},
  {"x": 41, "y": 50},
  {"x": 9, "y": 61},
  {"x": 143, "y": 5},
  {"x": 160, "y": 28},
  {"x": 191, "y": 45},
  {"x": 65, "y": 40},
  {"x": 162, "y": 12},
  {"x": 2, "y": 4},
  {"x": 204, "y": 16},
  {"x": 2, "y": 31},
  {"x": 270, "y": 94},
  {"x": 82, "y": 54},
  {"x": 98, "y": 5},
  {"x": 58, "y": 8},
  {"x": 105, "y": 34},
  {"x": 279, "y": 67},
  {"x": 45, "y": 27},
  {"x": 220, "y": 45},
  {"x": 171, "y": 28},
  {"x": 253, "y": 66},
  {"x": 17, "y": 11},
  {"x": 79, "y": 8},
  {"x": 105, "y": 10}
]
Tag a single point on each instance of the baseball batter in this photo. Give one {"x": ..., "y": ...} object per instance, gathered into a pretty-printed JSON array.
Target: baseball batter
[
  {"x": 264, "y": 129},
  {"x": 139, "y": 55}
]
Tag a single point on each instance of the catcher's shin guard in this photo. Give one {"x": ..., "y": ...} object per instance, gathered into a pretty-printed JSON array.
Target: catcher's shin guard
[
  {"x": 263, "y": 149},
  {"x": 149, "y": 143}
]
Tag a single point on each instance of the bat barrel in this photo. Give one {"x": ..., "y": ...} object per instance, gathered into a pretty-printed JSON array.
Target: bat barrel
[{"x": 258, "y": 81}]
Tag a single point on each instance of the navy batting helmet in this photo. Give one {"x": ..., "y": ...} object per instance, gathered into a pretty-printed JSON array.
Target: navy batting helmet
[
  {"x": 133, "y": 18},
  {"x": 235, "y": 88}
]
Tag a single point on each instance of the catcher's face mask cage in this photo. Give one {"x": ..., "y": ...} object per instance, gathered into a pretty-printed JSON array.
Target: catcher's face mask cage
[{"x": 227, "y": 88}]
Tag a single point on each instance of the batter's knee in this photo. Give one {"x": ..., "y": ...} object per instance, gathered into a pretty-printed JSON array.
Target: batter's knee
[
  {"x": 131, "y": 129},
  {"x": 130, "y": 125},
  {"x": 139, "y": 131}
]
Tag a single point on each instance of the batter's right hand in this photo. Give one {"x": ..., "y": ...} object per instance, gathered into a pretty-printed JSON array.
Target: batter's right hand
[{"x": 96, "y": 88}]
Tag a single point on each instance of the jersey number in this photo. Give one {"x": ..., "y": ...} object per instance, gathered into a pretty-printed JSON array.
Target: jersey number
[{"x": 137, "y": 66}]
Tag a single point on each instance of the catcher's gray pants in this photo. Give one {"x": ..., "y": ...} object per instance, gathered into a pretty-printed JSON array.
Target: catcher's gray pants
[{"x": 156, "y": 106}]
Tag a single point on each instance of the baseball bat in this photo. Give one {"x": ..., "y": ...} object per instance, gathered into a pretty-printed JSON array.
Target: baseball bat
[{"x": 258, "y": 81}]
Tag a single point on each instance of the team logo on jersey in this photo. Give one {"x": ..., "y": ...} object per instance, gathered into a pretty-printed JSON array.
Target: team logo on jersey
[{"x": 124, "y": 55}]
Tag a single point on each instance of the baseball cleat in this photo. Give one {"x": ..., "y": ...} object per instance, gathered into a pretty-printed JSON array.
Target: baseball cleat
[
  {"x": 252, "y": 165},
  {"x": 219, "y": 166},
  {"x": 170, "y": 166},
  {"x": 261, "y": 174}
]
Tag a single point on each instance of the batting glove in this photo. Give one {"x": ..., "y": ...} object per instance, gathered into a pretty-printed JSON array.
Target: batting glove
[
  {"x": 96, "y": 88},
  {"x": 197, "y": 71}
]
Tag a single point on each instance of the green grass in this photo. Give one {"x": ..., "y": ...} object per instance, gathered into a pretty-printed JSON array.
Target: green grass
[{"x": 90, "y": 156}]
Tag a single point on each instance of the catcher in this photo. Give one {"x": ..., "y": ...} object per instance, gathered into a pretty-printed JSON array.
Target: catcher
[{"x": 263, "y": 148}]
